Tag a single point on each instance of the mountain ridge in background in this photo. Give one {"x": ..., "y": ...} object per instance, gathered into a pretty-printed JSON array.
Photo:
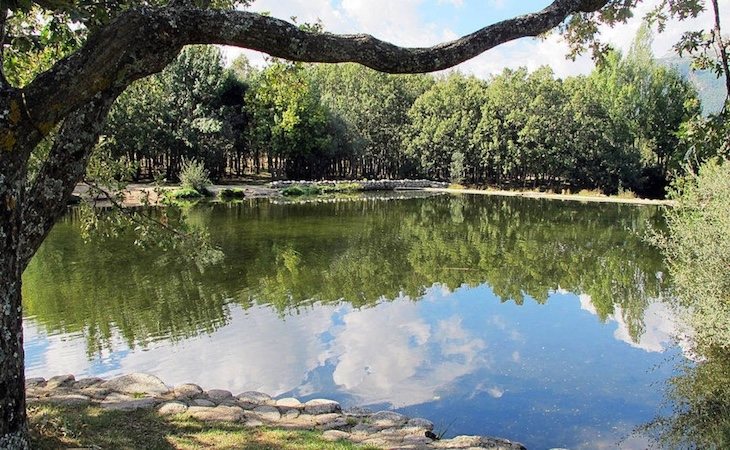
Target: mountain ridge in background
[{"x": 710, "y": 88}]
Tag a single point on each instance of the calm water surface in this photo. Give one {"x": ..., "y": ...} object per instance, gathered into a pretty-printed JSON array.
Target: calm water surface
[{"x": 535, "y": 320}]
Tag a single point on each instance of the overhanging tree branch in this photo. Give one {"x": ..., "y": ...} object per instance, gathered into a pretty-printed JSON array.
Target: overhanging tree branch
[
  {"x": 143, "y": 41},
  {"x": 62, "y": 170}
]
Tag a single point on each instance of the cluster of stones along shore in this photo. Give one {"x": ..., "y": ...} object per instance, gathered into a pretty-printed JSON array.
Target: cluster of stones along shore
[
  {"x": 384, "y": 429},
  {"x": 366, "y": 185}
]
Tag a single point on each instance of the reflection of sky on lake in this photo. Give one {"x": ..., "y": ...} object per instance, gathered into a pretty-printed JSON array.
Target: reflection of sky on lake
[{"x": 548, "y": 375}]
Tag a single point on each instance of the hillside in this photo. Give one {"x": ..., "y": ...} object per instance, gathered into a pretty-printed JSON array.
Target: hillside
[{"x": 711, "y": 89}]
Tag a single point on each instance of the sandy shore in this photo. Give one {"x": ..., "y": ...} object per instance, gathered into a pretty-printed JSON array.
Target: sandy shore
[
  {"x": 570, "y": 197},
  {"x": 135, "y": 194}
]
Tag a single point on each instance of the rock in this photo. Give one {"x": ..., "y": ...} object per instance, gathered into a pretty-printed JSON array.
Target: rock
[
  {"x": 96, "y": 393},
  {"x": 289, "y": 402},
  {"x": 388, "y": 419},
  {"x": 376, "y": 442},
  {"x": 203, "y": 402},
  {"x": 358, "y": 411},
  {"x": 478, "y": 442},
  {"x": 416, "y": 441},
  {"x": 337, "y": 424},
  {"x": 253, "y": 423},
  {"x": 218, "y": 395},
  {"x": 35, "y": 382},
  {"x": 365, "y": 428},
  {"x": 230, "y": 401},
  {"x": 256, "y": 398},
  {"x": 321, "y": 419},
  {"x": 137, "y": 383},
  {"x": 420, "y": 423},
  {"x": 118, "y": 404},
  {"x": 69, "y": 400},
  {"x": 60, "y": 381},
  {"x": 321, "y": 406},
  {"x": 86, "y": 383},
  {"x": 290, "y": 414},
  {"x": 305, "y": 420},
  {"x": 268, "y": 413},
  {"x": 187, "y": 390},
  {"x": 220, "y": 413},
  {"x": 335, "y": 435},
  {"x": 172, "y": 408}
]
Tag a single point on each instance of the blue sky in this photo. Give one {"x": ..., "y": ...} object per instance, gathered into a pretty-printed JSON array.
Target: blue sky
[{"x": 427, "y": 22}]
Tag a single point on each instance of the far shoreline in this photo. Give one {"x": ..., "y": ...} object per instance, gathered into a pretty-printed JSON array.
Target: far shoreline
[
  {"x": 551, "y": 196},
  {"x": 136, "y": 193}
]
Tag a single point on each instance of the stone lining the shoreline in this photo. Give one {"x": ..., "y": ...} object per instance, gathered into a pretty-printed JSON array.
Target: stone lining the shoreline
[
  {"x": 385, "y": 429},
  {"x": 366, "y": 185}
]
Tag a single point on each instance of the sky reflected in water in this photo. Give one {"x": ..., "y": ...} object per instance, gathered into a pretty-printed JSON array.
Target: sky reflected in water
[{"x": 553, "y": 368}]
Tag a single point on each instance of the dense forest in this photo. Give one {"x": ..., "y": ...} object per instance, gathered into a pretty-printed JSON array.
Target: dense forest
[{"x": 619, "y": 128}]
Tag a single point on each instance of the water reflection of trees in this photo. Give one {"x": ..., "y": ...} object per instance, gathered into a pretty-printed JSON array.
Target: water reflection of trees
[
  {"x": 360, "y": 252},
  {"x": 699, "y": 396}
]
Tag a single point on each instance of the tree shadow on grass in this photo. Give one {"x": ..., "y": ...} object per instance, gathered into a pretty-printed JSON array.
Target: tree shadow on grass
[{"x": 58, "y": 427}]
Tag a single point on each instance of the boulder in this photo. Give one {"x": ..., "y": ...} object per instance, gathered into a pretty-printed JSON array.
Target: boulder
[
  {"x": 218, "y": 395},
  {"x": 85, "y": 383},
  {"x": 119, "y": 402},
  {"x": 69, "y": 400},
  {"x": 172, "y": 408},
  {"x": 335, "y": 435},
  {"x": 60, "y": 381},
  {"x": 420, "y": 423},
  {"x": 37, "y": 382},
  {"x": 220, "y": 413},
  {"x": 256, "y": 398},
  {"x": 203, "y": 402},
  {"x": 289, "y": 402},
  {"x": 321, "y": 406},
  {"x": 187, "y": 390},
  {"x": 137, "y": 383},
  {"x": 388, "y": 419},
  {"x": 268, "y": 413}
]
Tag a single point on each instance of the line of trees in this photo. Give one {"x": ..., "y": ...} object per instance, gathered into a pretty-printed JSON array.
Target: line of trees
[{"x": 617, "y": 128}]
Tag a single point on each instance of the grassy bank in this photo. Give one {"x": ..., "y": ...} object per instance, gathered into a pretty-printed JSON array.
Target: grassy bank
[{"x": 54, "y": 427}]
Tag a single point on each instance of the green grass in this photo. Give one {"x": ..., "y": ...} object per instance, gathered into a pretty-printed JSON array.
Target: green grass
[
  {"x": 54, "y": 427},
  {"x": 300, "y": 190},
  {"x": 341, "y": 188},
  {"x": 231, "y": 194},
  {"x": 184, "y": 193}
]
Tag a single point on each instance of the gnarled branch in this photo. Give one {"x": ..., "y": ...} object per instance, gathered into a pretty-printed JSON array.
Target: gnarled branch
[
  {"x": 143, "y": 41},
  {"x": 62, "y": 170}
]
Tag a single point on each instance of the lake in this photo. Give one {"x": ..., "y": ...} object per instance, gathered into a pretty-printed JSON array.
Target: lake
[{"x": 540, "y": 321}]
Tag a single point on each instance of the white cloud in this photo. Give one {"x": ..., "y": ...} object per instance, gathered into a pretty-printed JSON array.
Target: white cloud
[
  {"x": 396, "y": 363},
  {"x": 402, "y": 23},
  {"x": 275, "y": 356},
  {"x": 662, "y": 325}
]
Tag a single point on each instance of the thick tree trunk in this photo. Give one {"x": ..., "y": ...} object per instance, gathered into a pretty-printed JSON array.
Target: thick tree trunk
[{"x": 13, "y": 433}]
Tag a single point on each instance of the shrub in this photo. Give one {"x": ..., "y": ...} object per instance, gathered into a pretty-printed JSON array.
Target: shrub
[
  {"x": 231, "y": 194},
  {"x": 183, "y": 193},
  {"x": 340, "y": 187},
  {"x": 298, "y": 189},
  {"x": 193, "y": 175},
  {"x": 697, "y": 249}
]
